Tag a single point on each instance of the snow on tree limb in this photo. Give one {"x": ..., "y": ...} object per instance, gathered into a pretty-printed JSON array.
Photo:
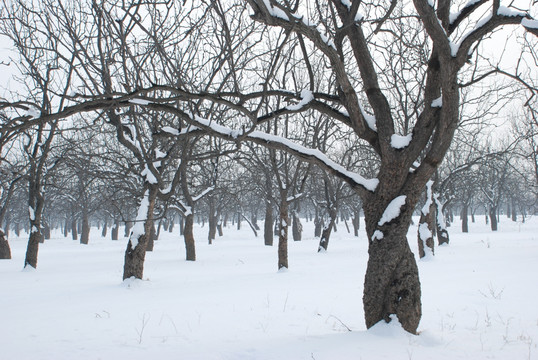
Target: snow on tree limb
[{"x": 315, "y": 156}]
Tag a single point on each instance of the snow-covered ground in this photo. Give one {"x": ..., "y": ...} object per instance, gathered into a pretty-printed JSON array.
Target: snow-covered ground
[{"x": 480, "y": 300}]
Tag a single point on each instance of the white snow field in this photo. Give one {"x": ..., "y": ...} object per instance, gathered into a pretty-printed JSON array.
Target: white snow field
[{"x": 480, "y": 299}]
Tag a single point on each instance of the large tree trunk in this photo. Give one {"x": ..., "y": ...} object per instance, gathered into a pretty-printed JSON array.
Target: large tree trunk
[
  {"x": 326, "y": 233},
  {"x": 391, "y": 285},
  {"x": 283, "y": 232},
  {"x": 135, "y": 253},
  {"x": 188, "y": 235},
  {"x": 5, "y": 251},
  {"x": 493, "y": 217}
]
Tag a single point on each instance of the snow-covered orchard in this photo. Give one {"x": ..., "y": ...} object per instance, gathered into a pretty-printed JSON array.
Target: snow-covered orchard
[{"x": 479, "y": 300}]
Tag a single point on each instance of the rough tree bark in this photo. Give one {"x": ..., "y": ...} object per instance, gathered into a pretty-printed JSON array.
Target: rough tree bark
[{"x": 138, "y": 241}]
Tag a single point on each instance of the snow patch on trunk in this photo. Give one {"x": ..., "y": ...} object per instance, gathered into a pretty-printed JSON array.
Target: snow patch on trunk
[
  {"x": 138, "y": 228},
  {"x": 393, "y": 210}
]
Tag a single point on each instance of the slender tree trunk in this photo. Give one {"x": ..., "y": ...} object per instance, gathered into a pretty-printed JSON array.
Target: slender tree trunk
[
  {"x": 126, "y": 230},
  {"x": 318, "y": 224},
  {"x": 425, "y": 233},
  {"x": 268, "y": 224},
  {"x": 74, "y": 233},
  {"x": 283, "y": 232},
  {"x": 105, "y": 228},
  {"x": 356, "y": 222},
  {"x": 5, "y": 251},
  {"x": 493, "y": 217},
  {"x": 46, "y": 232},
  {"x": 326, "y": 233},
  {"x": 85, "y": 234},
  {"x": 296, "y": 227},
  {"x": 239, "y": 220},
  {"x": 441, "y": 230},
  {"x": 219, "y": 226},
  {"x": 514, "y": 212},
  {"x": 188, "y": 235},
  {"x": 182, "y": 225},
  {"x": 138, "y": 241},
  {"x": 66, "y": 227},
  {"x": 254, "y": 220},
  {"x": 465, "y": 218},
  {"x": 212, "y": 221},
  {"x": 115, "y": 230}
]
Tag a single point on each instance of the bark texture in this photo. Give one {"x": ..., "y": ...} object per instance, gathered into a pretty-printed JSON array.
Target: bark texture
[
  {"x": 391, "y": 283},
  {"x": 136, "y": 248},
  {"x": 188, "y": 236}
]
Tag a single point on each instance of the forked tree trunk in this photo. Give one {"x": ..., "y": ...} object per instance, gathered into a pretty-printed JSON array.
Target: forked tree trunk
[
  {"x": 188, "y": 235},
  {"x": 283, "y": 232},
  {"x": 5, "y": 251},
  {"x": 135, "y": 253},
  {"x": 268, "y": 224}
]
